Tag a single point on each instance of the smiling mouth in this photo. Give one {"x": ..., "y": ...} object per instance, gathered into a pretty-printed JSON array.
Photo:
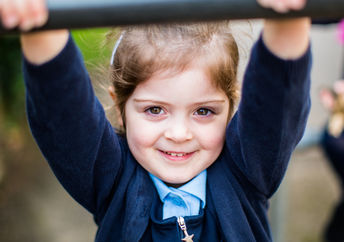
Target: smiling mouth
[{"x": 177, "y": 155}]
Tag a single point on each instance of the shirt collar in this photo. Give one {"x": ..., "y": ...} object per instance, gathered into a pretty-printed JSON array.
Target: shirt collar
[
  {"x": 195, "y": 187},
  {"x": 160, "y": 186}
]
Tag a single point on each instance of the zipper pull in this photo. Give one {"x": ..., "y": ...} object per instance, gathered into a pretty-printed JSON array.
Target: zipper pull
[{"x": 181, "y": 222}]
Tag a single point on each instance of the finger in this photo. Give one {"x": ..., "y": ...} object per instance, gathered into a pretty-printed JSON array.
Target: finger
[
  {"x": 26, "y": 22},
  {"x": 264, "y": 3},
  {"x": 42, "y": 14},
  {"x": 297, "y": 4},
  {"x": 35, "y": 14},
  {"x": 22, "y": 11},
  {"x": 9, "y": 14},
  {"x": 280, "y": 6},
  {"x": 39, "y": 12}
]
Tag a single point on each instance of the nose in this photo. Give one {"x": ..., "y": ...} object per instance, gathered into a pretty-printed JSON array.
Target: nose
[{"x": 178, "y": 131}]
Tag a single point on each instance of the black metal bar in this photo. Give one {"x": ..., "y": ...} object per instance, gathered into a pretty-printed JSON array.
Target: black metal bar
[{"x": 101, "y": 13}]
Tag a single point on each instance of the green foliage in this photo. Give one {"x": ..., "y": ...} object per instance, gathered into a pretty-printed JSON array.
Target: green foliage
[
  {"x": 11, "y": 87},
  {"x": 12, "y": 93},
  {"x": 92, "y": 45}
]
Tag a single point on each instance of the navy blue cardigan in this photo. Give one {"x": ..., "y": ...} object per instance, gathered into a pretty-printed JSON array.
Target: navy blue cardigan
[{"x": 96, "y": 167}]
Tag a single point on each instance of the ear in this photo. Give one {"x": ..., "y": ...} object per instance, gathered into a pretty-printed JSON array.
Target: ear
[
  {"x": 113, "y": 96},
  {"x": 327, "y": 98}
]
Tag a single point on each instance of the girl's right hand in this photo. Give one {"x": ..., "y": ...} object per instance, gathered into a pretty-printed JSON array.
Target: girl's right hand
[
  {"x": 24, "y": 14},
  {"x": 38, "y": 47}
]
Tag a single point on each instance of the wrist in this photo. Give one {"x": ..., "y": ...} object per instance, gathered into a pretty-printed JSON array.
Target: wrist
[
  {"x": 287, "y": 39},
  {"x": 41, "y": 47}
]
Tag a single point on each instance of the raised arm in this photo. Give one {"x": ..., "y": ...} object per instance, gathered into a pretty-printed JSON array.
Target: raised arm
[
  {"x": 66, "y": 119},
  {"x": 274, "y": 106}
]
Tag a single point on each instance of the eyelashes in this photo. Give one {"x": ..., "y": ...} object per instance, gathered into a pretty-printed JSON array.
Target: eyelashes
[
  {"x": 204, "y": 112},
  {"x": 159, "y": 111},
  {"x": 155, "y": 110}
]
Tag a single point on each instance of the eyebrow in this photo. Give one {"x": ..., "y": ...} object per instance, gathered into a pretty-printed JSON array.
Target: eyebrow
[
  {"x": 210, "y": 101},
  {"x": 197, "y": 103},
  {"x": 149, "y": 101}
]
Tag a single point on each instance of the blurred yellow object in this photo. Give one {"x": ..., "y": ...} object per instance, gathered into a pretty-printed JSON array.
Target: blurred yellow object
[
  {"x": 333, "y": 100},
  {"x": 336, "y": 124}
]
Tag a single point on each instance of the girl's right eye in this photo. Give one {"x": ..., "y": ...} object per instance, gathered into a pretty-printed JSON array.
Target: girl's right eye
[{"x": 154, "y": 110}]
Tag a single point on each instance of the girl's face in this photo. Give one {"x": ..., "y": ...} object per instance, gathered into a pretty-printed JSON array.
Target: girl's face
[{"x": 175, "y": 125}]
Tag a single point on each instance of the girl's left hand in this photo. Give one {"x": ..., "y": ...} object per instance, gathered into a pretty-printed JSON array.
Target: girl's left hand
[
  {"x": 286, "y": 38},
  {"x": 282, "y": 6}
]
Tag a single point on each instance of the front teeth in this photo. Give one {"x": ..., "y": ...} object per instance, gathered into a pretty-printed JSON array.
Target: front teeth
[{"x": 175, "y": 154}]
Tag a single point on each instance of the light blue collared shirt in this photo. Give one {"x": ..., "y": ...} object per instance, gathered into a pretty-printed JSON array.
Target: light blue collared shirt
[{"x": 185, "y": 200}]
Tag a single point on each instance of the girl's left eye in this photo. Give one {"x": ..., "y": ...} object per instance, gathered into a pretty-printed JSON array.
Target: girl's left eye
[{"x": 203, "y": 112}]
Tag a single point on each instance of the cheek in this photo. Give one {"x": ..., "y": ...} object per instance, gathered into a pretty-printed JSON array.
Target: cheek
[
  {"x": 140, "y": 134},
  {"x": 212, "y": 138},
  {"x": 216, "y": 141},
  {"x": 211, "y": 143}
]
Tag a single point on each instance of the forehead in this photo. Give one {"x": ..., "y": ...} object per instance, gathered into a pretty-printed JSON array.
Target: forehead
[{"x": 190, "y": 84}]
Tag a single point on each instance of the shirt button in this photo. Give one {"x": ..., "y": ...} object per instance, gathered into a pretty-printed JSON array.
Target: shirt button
[{"x": 179, "y": 202}]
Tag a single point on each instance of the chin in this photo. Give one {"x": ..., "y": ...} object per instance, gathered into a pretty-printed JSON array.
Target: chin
[{"x": 177, "y": 181}]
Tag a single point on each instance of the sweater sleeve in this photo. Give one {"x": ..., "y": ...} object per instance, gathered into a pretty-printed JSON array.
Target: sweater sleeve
[
  {"x": 271, "y": 117},
  {"x": 70, "y": 127}
]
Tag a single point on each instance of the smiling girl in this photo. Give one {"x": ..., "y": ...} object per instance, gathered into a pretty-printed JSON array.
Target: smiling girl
[{"x": 180, "y": 165}]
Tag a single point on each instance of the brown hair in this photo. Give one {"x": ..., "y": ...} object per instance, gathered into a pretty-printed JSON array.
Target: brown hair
[{"x": 145, "y": 50}]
